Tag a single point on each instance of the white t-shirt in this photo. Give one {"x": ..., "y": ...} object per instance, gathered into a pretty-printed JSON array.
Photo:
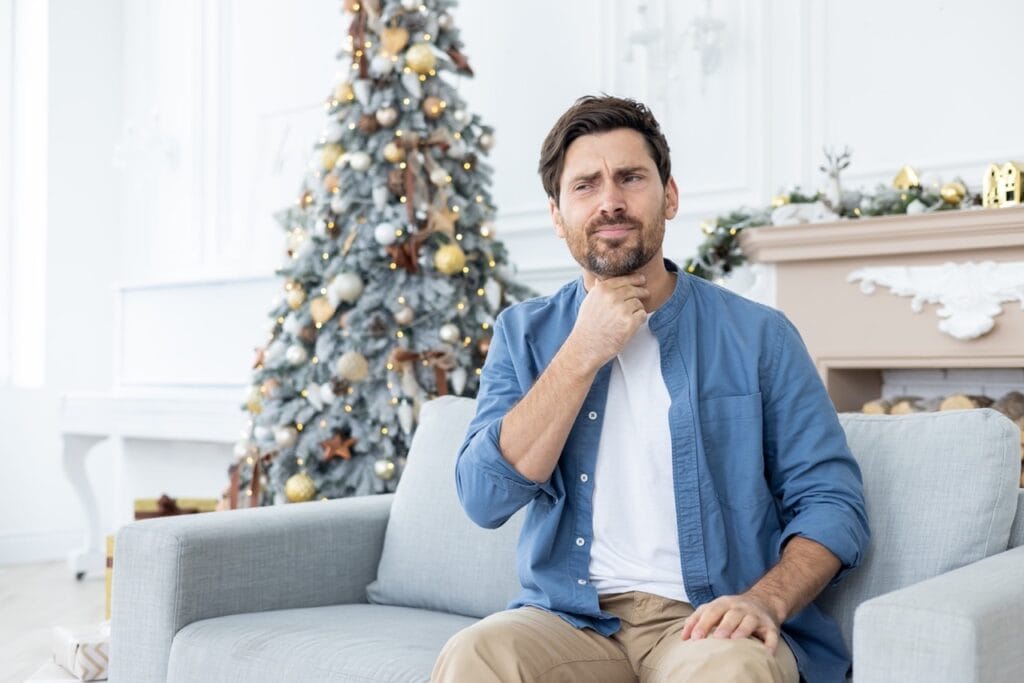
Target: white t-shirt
[{"x": 636, "y": 544}]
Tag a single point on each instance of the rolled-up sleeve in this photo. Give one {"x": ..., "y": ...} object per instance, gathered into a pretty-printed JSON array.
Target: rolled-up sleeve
[
  {"x": 811, "y": 469},
  {"x": 490, "y": 489}
]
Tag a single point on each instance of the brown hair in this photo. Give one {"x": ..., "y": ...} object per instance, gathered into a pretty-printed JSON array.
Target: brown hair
[{"x": 590, "y": 115}]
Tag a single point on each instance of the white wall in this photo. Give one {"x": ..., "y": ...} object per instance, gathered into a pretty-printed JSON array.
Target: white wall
[{"x": 210, "y": 109}]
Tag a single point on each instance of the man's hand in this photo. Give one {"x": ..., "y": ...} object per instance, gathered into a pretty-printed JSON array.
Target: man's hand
[
  {"x": 610, "y": 314},
  {"x": 735, "y": 616}
]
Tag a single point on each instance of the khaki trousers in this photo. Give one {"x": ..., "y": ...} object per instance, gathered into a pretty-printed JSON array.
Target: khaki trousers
[{"x": 529, "y": 644}]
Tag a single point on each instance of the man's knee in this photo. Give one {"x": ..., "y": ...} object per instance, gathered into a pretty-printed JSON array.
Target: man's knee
[{"x": 712, "y": 659}]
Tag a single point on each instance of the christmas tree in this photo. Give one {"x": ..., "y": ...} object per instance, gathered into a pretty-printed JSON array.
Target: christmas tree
[{"x": 392, "y": 278}]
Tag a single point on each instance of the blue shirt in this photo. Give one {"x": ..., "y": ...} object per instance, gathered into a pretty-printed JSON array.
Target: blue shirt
[{"x": 758, "y": 456}]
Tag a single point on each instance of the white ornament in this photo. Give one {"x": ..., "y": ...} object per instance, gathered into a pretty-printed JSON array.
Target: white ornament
[
  {"x": 338, "y": 204},
  {"x": 385, "y": 234},
  {"x": 327, "y": 393},
  {"x": 295, "y": 297},
  {"x": 296, "y": 354},
  {"x": 285, "y": 437},
  {"x": 246, "y": 449},
  {"x": 410, "y": 5},
  {"x": 971, "y": 294},
  {"x": 385, "y": 469},
  {"x": 404, "y": 316},
  {"x": 333, "y": 131},
  {"x": 461, "y": 117},
  {"x": 386, "y": 116},
  {"x": 486, "y": 141},
  {"x": 405, "y": 416},
  {"x": 262, "y": 433},
  {"x": 380, "y": 196},
  {"x": 345, "y": 287},
  {"x": 458, "y": 378},
  {"x": 296, "y": 238},
  {"x": 359, "y": 161},
  {"x": 410, "y": 387},
  {"x": 916, "y": 207},
  {"x": 381, "y": 65},
  {"x": 320, "y": 228},
  {"x": 492, "y": 290},
  {"x": 439, "y": 176},
  {"x": 444, "y": 21},
  {"x": 352, "y": 366},
  {"x": 449, "y": 333}
]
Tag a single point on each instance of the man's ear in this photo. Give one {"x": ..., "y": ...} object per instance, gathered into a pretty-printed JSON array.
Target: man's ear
[
  {"x": 556, "y": 218},
  {"x": 671, "y": 198}
]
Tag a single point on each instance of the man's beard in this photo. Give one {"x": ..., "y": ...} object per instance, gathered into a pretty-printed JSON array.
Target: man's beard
[{"x": 615, "y": 260}]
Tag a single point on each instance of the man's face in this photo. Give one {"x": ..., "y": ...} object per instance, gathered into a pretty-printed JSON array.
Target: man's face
[{"x": 612, "y": 206}]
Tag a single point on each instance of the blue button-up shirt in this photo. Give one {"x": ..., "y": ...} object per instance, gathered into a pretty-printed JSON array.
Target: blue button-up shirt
[{"x": 758, "y": 456}]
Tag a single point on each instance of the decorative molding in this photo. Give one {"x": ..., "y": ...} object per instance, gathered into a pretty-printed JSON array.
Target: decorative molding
[
  {"x": 887, "y": 235},
  {"x": 209, "y": 416},
  {"x": 971, "y": 294}
]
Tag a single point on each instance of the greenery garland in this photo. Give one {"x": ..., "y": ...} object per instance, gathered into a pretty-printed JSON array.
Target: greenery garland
[{"x": 720, "y": 252}]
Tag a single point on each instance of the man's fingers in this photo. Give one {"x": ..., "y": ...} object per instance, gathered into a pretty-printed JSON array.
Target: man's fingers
[
  {"x": 708, "y": 621},
  {"x": 771, "y": 639},
  {"x": 730, "y": 620},
  {"x": 746, "y": 627}
]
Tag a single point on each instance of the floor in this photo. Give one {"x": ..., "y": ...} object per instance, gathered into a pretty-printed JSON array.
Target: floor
[{"x": 33, "y": 599}]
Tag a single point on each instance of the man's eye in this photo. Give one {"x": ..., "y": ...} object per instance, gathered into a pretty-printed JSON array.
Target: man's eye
[
  {"x": 633, "y": 177},
  {"x": 582, "y": 186}
]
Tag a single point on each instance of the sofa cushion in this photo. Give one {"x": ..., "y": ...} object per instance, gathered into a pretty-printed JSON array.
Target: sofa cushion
[
  {"x": 337, "y": 643},
  {"x": 941, "y": 492},
  {"x": 434, "y": 556}
]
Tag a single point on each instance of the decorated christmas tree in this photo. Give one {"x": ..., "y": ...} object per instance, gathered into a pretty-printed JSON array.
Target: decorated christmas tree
[{"x": 392, "y": 278}]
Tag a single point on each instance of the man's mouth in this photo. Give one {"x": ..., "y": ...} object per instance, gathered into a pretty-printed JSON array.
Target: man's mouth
[{"x": 613, "y": 231}]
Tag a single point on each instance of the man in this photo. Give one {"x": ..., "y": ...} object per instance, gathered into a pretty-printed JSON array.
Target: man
[{"x": 689, "y": 489}]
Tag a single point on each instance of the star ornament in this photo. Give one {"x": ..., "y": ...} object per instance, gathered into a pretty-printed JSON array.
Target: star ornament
[{"x": 336, "y": 447}]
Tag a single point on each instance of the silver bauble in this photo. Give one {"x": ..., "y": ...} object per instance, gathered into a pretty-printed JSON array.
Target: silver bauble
[
  {"x": 359, "y": 161},
  {"x": 385, "y": 234},
  {"x": 296, "y": 354},
  {"x": 286, "y": 437},
  {"x": 449, "y": 333}
]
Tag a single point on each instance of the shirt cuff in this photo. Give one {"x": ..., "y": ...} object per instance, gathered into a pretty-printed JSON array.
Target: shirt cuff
[
  {"x": 490, "y": 459},
  {"x": 837, "y": 537}
]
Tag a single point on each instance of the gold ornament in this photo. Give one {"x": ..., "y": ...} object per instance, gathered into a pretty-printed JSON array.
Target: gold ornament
[
  {"x": 393, "y": 40},
  {"x": 420, "y": 58},
  {"x": 329, "y": 155},
  {"x": 321, "y": 309},
  {"x": 344, "y": 92},
  {"x": 906, "y": 179},
  {"x": 295, "y": 298},
  {"x": 352, "y": 366},
  {"x": 385, "y": 468},
  {"x": 404, "y": 316},
  {"x": 777, "y": 201},
  {"x": 299, "y": 488},
  {"x": 450, "y": 259},
  {"x": 394, "y": 153},
  {"x": 953, "y": 193},
  {"x": 254, "y": 401},
  {"x": 433, "y": 107},
  {"x": 330, "y": 182}
]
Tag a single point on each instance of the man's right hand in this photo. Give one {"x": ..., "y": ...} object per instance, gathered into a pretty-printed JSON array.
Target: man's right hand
[{"x": 609, "y": 316}]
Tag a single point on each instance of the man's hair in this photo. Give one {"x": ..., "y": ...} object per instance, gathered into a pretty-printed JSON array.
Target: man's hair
[{"x": 590, "y": 115}]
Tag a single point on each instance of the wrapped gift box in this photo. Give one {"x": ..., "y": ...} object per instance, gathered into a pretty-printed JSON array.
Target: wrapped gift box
[
  {"x": 165, "y": 506},
  {"x": 83, "y": 650}
]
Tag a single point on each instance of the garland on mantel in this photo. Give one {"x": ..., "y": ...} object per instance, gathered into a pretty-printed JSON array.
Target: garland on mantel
[{"x": 720, "y": 252}]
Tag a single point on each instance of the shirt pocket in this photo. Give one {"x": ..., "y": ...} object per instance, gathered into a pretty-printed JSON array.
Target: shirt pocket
[{"x": 733, "y": 449}]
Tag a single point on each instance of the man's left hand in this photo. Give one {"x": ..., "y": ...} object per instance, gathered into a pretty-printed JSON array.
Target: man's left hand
[{"x": 735, "y": 616}]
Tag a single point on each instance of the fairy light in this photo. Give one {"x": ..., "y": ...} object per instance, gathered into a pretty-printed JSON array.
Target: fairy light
[
  {"x": 384, "y": 431},
  {"x": 323, "y": 423},
  {"x": 479, "y": 371},
  {"x": 399, "y": 334},
  {"x": 299, "y": 426},
  {"x": 392, "y": 265},
  {"x": 401, "y": 300},
  {"x": 467, "y": 166},
  {"x": 465, "y": 270},
  {"x": 300, "y": 462},
  {"x": 486, "y": 326},
  {"x": 390, "y": 366},
  {"x": 348, "y": 407},
  {"x": 460, "y": 306},
  {"x": 459, "y": 237},
  {"x": 394, "y": 401},
  {"x": 467, "y": 341},
  {"x": 402, "y": 165},
  {"x": 315, "y": 359},
  {"x": 480, "y": 292},
  {"x": 405, "y": 100}
]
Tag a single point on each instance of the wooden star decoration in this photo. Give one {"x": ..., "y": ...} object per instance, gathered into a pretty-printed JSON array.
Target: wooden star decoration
[
  {"x": 460, "y": 61},
  {"x": 336, "y": 447},
  {"x": 261, "y": 357}
]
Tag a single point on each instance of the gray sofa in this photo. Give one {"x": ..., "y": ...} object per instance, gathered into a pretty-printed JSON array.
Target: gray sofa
[{"x": 369, "y": 589}]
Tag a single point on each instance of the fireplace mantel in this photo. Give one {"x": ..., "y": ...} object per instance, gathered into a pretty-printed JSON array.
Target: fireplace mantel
[{"x": 853, "y": 335}]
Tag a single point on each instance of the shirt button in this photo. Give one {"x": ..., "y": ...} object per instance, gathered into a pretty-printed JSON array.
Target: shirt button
[
  {"x": 584, "y": 477},
  {"x": 592, "y": 415},
  {"x": 580, "y": 541},
  {"x": 582, "y": 582}
]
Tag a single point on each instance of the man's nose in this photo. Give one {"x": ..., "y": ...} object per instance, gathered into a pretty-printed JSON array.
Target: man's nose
[{"x": 612, "y": 199}]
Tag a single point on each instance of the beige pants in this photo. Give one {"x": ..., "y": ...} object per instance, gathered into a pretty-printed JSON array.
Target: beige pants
[{"x": 529, "y": 644}]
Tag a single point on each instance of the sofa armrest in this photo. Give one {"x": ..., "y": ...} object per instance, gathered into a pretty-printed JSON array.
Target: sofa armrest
[
  {"x": 173, "y": 571},
  {"x": 960, "y": 626}
]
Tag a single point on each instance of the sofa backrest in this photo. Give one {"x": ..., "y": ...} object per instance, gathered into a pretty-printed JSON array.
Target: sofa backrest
[
  {"x": 1017, "y": 530},
  {"x": 434, "y": 556},
  {"x": 941, "y": 490}
]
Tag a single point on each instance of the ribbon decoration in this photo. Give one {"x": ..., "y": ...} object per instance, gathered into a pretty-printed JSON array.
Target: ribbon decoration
[
  {"x": 443, "y": 362},
  {"x": 234, "y": 491},
  {"x": 357, "y": 30},
  {"x": 460, "y": 61}
]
